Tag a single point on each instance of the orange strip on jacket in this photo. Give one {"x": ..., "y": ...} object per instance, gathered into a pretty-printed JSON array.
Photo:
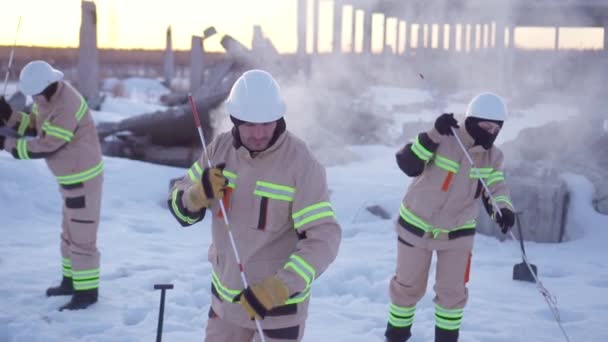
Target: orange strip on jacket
[
  {"x": 447, "y": 182},
  {"x": 226, "y": 201},
  {"x": 467, "y": 272}
]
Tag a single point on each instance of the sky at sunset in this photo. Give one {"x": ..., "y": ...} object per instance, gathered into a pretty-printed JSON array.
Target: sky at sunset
[{"x": 142, "y": 24}]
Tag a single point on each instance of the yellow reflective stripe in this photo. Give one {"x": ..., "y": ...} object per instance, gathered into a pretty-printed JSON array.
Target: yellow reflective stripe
[
  {"x": 274, "y": 191},
  {"x": 446, "y": 164},
  {"x": 503, "y": 199},
  {"x": 86, "y": 279},
  {"x": 231, "y": 178},
  {"x": 82, "y": 110},
  {"x": 23, "y": 124},
  {"x": 35, "y": 109},
  {"x": 417, "y": 222},
  {"x": 302, "y": 268},
  {"x": 57, "y": 132},
  {"x": 401, "y": 316},
  {"x": 81, "y": 176},
  {"x": 195, "y": 172},
  {"x": 226, "y": 293},
  {"x": 22, "y": 149},
  {"x": 496, "y": 176},
  {"x": 67, "y": 267},
  {"x": 448, "y": 319},
  {"x": 181, "y": 216},
  {"x": 485, "y": 172},
  {"x": 312, "y": 213},
  {"x": 300, "y": 297},
  {"x": 420, "y": 151}
]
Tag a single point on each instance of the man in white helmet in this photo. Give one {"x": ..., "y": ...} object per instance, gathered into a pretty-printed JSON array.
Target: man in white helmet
[
  {"x": 438, "y": 214},
  {"x": 63, "y": 133},
  {"x": 276, "y": 197}
]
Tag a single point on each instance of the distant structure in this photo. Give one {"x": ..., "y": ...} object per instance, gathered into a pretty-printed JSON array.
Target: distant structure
[
  {"x": 88, "y": 58},
  {"x": 169, "y": 60},
  {"x": 196, "y": 63}
]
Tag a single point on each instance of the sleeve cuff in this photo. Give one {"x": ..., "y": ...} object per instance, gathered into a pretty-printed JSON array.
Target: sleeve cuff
[
  {"x": 294, "y": 282},
  {"x": 434, "y": 135}
]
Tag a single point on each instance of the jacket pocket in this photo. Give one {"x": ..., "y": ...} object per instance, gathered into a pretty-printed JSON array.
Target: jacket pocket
[{"x": 273, "y": 203}]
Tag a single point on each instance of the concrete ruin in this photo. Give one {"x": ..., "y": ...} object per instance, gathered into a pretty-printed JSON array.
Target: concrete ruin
[{"x": 88, "y": 57}]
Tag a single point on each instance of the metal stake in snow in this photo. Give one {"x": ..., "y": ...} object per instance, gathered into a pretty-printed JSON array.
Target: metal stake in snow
[
  {"x": 549, "y": 298},
  {"x": 223, "y": 210},
  {"x": 10, "y": 59}
]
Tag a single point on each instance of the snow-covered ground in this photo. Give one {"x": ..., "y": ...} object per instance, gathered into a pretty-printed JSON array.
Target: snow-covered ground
[{"x": 141, "y": 245}]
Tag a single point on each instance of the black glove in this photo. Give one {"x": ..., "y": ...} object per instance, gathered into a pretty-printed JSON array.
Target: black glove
[
  {"x": 505, "y": 220},
  {"x": 445, "y": 122},
  {"x": 5, "y": 111}
]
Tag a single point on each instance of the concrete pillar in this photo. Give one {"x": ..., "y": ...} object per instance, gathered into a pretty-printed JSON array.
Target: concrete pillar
[
  {"x": 420, "y": 38},
  {"x": 399, "y": 37},
  {"x": 88, "y": 56},
  {"x": 406, "y": 36},
  {"x": 471, "y": 37},
  {"x": 196, "y": 63},
  {"x": 606, "y": 37},
  {"x": 500, "y": 36},
  {"x": 337, "y": 31},
  {"x": 367, "y": 32},
  {"x": 353, "y": 30},
  {"x": 556, "y": 44},
  {"x": 484, "y": 36},
  {"x": 169, "y": 60},
  {"x": 511, "y": 43},
  {"x": 452, "y": 38},
  {"x": 315, "y": 26},
  {"x": 301, "y": 22},
  {"x": 463, "y": 37}
]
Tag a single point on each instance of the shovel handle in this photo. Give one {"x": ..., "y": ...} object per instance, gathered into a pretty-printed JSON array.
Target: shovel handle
[{"x": 521, "y": 235}]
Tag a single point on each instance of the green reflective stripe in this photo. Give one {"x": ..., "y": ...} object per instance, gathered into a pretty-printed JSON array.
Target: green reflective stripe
[
  {"x": 179, "y": 215},
  {"x": 312, "y": 213},
  {"x": 195, "y": 172},
  {"x": 23, "y": 124},
  {"x": 417, "y": 222},
  {"x": 485, "y": 172},
  {"x": 22, "y": 149},
  {"x": 231, "y": 178},
  {"x": 300, "y": 297},
  {"x": 67, "y": 267},
  {"x": 35, "y": 109},
  {"x": 448, "y": 319},
  {"x": 226, "y": 293},
  {"x": 86, "y": 279},
  {"x": 503, "y": 199},
  {"x": 274, "y": 191},
  {"x": 57, "y": 131},
  {"x": 83, "y": 176},
  {"x": 420, "y": 151},
  {"x": 446, "y": 164},
  {"x": 82, "y": 110},
  {"x": 302, "y": 268},
  {"x": 400, "y": 316},
  {"x": 496, "y": 176}
]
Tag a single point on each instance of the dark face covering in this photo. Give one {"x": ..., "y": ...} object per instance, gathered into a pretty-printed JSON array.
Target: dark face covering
[
  {"x": 49, "y": 91},
  {"x": 481, "y": 136},
  {"x": 281, "y": 126}
]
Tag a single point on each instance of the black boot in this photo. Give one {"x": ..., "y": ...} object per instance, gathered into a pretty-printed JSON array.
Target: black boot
[
  {"x": 442, "y": 335},
  {"x": 394, "y": 334},
  {"x": 66, "y": 288},
  {"x": 81, "y": 300}
]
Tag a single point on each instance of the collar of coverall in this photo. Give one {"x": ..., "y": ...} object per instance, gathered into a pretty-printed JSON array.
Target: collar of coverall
[{"x": 49, "y": 104}]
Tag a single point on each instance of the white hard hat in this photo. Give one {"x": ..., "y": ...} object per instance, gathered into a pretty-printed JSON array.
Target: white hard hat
[
  {"x": 255, "y": 97},
  {"x": 36, "y": 76},
  {"x": 487, "y": 106}
]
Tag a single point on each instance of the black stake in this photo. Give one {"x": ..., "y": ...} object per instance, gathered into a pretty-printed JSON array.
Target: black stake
[{"x": 162, "y": 288}]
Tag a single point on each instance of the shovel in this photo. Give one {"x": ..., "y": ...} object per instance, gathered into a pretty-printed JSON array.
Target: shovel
[
  {"x": 161, "y": 312},
  {"x": 521, "y": 271}
]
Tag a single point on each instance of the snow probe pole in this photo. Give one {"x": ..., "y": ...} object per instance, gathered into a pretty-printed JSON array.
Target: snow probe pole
[
  {"x": 549, "y": 298},
  {"x": 223, "y": 210},
  {"x": 10, "y": 59},
  {"x": 161, "y": 311}
]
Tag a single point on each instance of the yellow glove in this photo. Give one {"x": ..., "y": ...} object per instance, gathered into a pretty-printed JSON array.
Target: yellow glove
[
  {"x": 211, "y": 186},
  {"x": 258, "y": 299}
]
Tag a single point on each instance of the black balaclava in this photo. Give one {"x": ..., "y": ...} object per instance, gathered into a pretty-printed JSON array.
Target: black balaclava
[
  {"x": 281, "y": 127},
  {"x": 49, "y": 91},
  {"x": 481, "y": 136}
]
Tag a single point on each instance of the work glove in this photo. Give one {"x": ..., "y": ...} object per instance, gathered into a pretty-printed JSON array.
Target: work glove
[
  {"x": 5, "y": 111},
  {"x": 212, "y": 186},
  {"x": 505, "y": 220},
  {"x": 260, "y": 298},
  {"x": 444, "y": 124}
]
